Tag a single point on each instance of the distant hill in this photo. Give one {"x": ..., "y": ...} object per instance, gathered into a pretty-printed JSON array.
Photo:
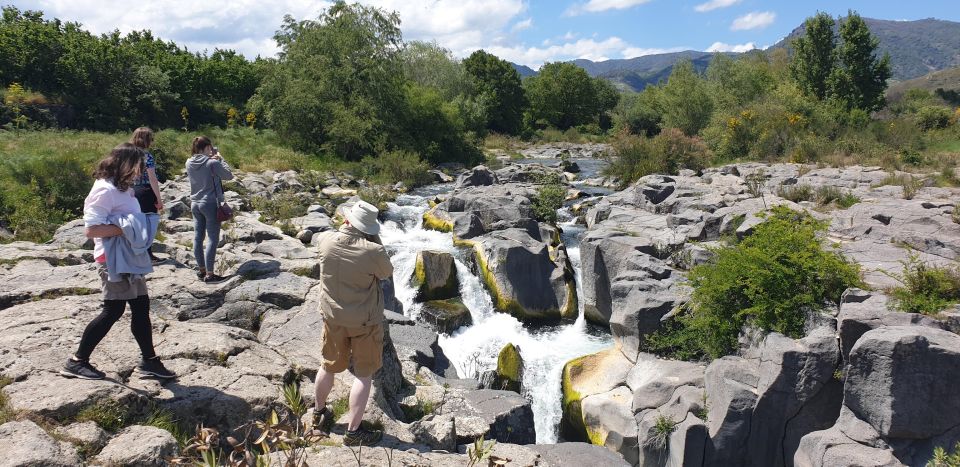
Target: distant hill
[
  {"x": 916, "y": 48},
  {"x": 945, "y": 79},
  {"x": 523, "y": 70}
]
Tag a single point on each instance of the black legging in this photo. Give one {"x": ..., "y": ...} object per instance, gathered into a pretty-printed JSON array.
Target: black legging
[{"x": 112, "y": 311}]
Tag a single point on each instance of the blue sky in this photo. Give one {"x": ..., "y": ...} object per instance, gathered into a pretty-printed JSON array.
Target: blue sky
[{"x": 529, "y": 32}]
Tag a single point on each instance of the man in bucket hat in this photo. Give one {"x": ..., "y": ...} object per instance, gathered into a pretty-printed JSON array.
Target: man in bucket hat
[{"x": 352, "y": 264}]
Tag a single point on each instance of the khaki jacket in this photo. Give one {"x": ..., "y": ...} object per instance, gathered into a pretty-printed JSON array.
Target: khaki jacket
[{"x": 351, "y": 268}]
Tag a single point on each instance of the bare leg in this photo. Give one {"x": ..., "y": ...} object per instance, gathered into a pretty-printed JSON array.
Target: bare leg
[
  {"x": 322, "y": 388},
  {"x": 359, "y": 394}
]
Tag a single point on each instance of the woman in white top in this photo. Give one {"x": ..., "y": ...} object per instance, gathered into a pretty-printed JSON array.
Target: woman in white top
[{"x": 112, "y": 195}]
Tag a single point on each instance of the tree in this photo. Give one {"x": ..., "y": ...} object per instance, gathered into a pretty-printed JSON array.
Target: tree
[
  {"x": 814, "y": 56},
  {"x": 684, "y": 101},
  {"x": 338, "y": 82},
  {"x": 430, "y": 65},
  {"x": 561, "y": 95},
  {"x": 860, "y": 78},
  {"x": 499, "y": 89}
]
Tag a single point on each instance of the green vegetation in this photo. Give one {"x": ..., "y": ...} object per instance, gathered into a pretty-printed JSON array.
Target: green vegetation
[
  {"x": 823, "y": 195},
  {"x": 941, "y": 458},
  {"x": 549, "y": 198},
  {"x": 770, "y": 280},
  {"x": 926, "y": 289},
  {"x": 164, "y": 419},
  {"x": 416, "y": 412},
  {"x": 109, "y": 414},
  {"x": 281, "y": 206},
  {"x": 666, "y": 153},
  {"x": 660, "y": 433},
  {"x": 6, "y": 413},
  {"x": 562, "y": 95},
  {"x": 499, "y": 91},
  {"x": 340, "y": 407}
]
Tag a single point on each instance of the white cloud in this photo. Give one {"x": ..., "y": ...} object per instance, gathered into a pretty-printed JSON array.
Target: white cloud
[
  {"x": 755, "y": 20},
  {"x": 590, "y": 49},
  {"x": 521, "y": 25},
  {"x": 596, "y": 6},
  {"x": 724, "y": 47},
  {"x": 715, "y": 4}
]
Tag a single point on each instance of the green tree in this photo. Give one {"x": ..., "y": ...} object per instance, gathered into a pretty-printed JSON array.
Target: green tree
[
  {"x": 814, "y": 56},
  {"x": 860, "y": 78},
  {"x": 338, "y": 82},
  {"x": 429, "y": 65},
  {"x": 500, "y": 90},
  {"x": 685, "y": 100},
  {"x": 563, "y": 95},
  {"x": 638, "y": 113}
]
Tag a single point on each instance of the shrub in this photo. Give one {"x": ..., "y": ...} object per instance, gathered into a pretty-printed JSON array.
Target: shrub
[
  {"x": 795, "y": 193},
  {"x": 933, "y": 117},
  {"x": 909, "y": 184},
  {"x": 942, "y": 459},
  {"x": 395, "y": 166},
  {"x": 847, "y": 199},
  {"x": 666, "y": 153},
  {"x": 660, "y": 432},
  {"x": 771, "y": 280},
  {"x": 282, "y": 206},
  {"x": 926, "y": 289},
  {"x": 549, "y": 198}
]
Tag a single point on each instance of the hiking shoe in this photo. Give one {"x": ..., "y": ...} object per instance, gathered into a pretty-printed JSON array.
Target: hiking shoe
[
  {"x": 201, "y": 274},
  {"x": 322, "y": 421},
  {"x": 362, "y": 437},
  {"x": 81, "y": 369},
  {"x": 154, "y": 367},
  {"x": 213, "y": 278}
]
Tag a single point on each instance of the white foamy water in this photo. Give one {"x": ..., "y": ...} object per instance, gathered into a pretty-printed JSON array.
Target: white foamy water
[{"x": 473, "y": 349}]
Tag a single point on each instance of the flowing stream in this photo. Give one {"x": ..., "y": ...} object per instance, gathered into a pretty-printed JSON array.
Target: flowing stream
[{"x": 473, "y": 349}]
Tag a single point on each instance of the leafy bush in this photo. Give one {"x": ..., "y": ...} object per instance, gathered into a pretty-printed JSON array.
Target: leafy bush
[
  {"x": 282, "y": 206},
  {"x": 666, "y": 153},
  {"x": 943, "y": 459},
  {"x": 549, "y": 198},
  {"x": 933, "y": 117},
  {"x": 771, "y": 280},
  {"x": 926, "y": 289},
  {"x": 795, "y": 193},
  {"x": 392, "y": 167}
]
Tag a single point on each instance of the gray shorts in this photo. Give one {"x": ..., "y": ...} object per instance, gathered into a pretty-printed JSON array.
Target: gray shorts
[{"x": 123, "y": 290}]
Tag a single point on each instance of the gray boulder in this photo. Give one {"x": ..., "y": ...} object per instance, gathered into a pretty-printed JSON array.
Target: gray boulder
[
  {"x": 140, "y": 445},
  {"x": 501, "y": 415},
  {"x": 524, "y": 278},
  {"x": 445, "y": 316},
  {"x": 731, "y": 385},
  {"x": 478, "y": 176},
  {"x": 435, "y": 276},
  {"x": 88, "y": 434},
  {"x": 902, "y": 380},
  {"x": 436, "y": 431},
  {"x": 71, "y": 235},
  {"x": 862, "y": 311},
  {"x": 561, "y": 454},
  {"x": 24, "y": 444}
]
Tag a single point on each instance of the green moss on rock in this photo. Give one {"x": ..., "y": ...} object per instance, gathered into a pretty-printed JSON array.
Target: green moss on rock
[
  {"x": 509, "y": 368},
  {"x": 573, "y": 427},
  {"x": 433, "y": 222}
]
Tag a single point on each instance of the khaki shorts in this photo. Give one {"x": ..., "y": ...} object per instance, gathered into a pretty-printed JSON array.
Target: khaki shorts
[
  {"x": 123, "y": 290},
  {"x": 364, "y": 344}
]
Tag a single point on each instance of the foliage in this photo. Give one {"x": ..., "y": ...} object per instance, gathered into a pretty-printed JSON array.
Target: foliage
[
  {"x": 685, "y": 101},
  {"x": 666, "y": 153},
  {"x": 859, "y": 78},
  {"x": 926, "y": 289},
  {"x": 498, "y": 87},
  {"x": 280, "y": 206},
  {"x": 563, "y": 95},
  {"x": 392, "y": 167},
  {"x": 479, "y": 450},
  {"x": 549, "y": 198},
  {"x": 6, "y": 413},
  {"x": 116, "y": 81},
  {"x": 770, "y": 280},
  {"x": 932, "y": 117},
  {"x": 108, "y": 414},
  {"x": 164, "y": 419},
  {"x": 660, "y": 432},
  {"x": 814, "y": 56},
  {"x": 638, "y": 113},
  {"x": 943, "y": 459}
]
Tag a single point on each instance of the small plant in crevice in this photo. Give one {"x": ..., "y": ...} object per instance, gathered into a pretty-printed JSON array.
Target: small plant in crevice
[
  {"x": 955, "y": 213},
  {"x": 479, "y": 450},
  {"x": 795, "y": 193},
  {"x": 549, "y": 198},
  {"x": 941, "y": 458},
  {"x": 660, "y": 432},
  {"x": 6, "y": 413},
  {"x": 926, "y": 289}
]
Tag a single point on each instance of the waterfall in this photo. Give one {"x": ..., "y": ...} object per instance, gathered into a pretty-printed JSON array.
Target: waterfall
[{"x": 473, "y": 349}]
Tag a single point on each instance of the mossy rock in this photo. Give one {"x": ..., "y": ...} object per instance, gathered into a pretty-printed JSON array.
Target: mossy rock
[
  {"x": 435, "y": 276},
  {"x": 509, "y": 369},
  {"x": 586, "y": 376},
  {"x": 445, "y": 316},
  {"x": 439, "y": 222},
  {"x": 572, "y": 425}
]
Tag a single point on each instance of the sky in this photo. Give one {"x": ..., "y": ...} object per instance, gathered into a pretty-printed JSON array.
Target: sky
[{"x": 528, "y": 32}]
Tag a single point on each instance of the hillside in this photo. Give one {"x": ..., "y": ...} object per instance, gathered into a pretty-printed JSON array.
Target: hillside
[
  {"x": 916, "y": 48},
  {"x": 946, "y": 79}
]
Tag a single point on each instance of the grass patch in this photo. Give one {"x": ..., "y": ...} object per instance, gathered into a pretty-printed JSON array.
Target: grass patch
[
  {"x": 164, "y": 419},
  {"x": 795, "y": 193},
  {"x": 282, "y": 206},
  {"x": 418, "y": 411},
  {"x": 6, "y": 413},
  {"x": 660, "y": 432},
  {"x": 107, "y": 414},
  {"x": 909, "y": 183},
  {"x": 340, "y": 407},
  {"x": 771, "y": 280},
  {"x": 926, "y": 289}
]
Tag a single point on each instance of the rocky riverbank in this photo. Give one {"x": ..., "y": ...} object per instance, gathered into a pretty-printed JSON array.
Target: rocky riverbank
[{"x": 865, "y": 385}]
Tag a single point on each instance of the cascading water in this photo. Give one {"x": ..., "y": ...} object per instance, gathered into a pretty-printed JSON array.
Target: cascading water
[{"x": 473, "y": 349}]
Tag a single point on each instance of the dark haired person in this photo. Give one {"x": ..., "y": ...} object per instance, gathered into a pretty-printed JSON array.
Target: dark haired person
[
  {"x": 147, "y": 187},
  {"x": 206, "y": 170},
  {"x": 110, "y": 205}
]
